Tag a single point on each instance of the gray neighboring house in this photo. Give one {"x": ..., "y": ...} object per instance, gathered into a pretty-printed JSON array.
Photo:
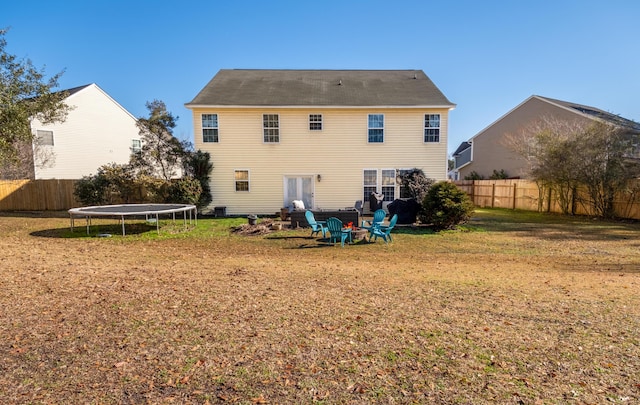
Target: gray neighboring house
[{"x": 486, "y": 151}]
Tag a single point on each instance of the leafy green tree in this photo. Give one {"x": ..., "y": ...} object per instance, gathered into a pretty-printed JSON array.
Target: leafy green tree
[
  {"x": 198, "y": 165},
  {"x": 161, "y": 154},
  {"x": 25, "y": 95}
]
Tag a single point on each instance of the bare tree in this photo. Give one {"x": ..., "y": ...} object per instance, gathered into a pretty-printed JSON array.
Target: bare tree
[{"x": 565, "y": 155}]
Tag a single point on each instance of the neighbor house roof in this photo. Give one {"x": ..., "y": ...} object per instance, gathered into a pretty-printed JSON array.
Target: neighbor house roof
[
  {"x": 393, "y": 88},
  {"x": 463, "y": 146},
  {"x": 594, "y": 112}
]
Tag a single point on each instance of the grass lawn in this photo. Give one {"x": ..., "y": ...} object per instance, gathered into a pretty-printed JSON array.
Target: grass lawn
[{"x": 516, "y": 307}]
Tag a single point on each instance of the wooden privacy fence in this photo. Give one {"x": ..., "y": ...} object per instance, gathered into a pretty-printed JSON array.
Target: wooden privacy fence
[
  {"x": 37, "y": 195},
  {"x": 526, "y": 195}
]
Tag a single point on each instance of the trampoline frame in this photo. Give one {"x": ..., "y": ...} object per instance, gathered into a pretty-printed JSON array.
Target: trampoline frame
[{"x": 132, "y": 210}]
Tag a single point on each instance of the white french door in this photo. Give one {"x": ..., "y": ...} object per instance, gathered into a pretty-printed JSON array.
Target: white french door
[{"x": 298, "y": 188}]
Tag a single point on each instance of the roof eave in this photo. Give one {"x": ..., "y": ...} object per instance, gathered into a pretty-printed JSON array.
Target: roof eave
[{"x": 223, "y": 106}]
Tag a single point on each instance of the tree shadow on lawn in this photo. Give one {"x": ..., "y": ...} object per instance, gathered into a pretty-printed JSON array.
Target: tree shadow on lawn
[
  {"x": 319, "y": 242},
  {"x": 35, "y": 214}
]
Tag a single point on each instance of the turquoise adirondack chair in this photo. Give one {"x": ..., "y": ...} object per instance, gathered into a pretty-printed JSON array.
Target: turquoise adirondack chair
[
  {"x": 334, "y": 226},
  {"x": 384, "y": 231},
  {"x": 316, "y": 226},
  {"x": 378, "y": 219}
]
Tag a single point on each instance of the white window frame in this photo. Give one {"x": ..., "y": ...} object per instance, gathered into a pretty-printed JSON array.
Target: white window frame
[
  {"x": 270, "y": 132},
  {"x": 215, "y": 135},
  {"x": 45, "y": 137},
  {"x": 367, "y": 188},
  {"x": 315, "y": 122},
  {"x": 388, "y": 186},
  {"x": 236, "y": 181},
  {"x": 370, "y": 128},
  {"x": 136, "y": 146},
  {"x": 431, "y": 132}
]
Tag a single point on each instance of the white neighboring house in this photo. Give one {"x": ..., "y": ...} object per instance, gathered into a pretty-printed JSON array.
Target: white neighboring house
[{"x": 97, "y": 131}]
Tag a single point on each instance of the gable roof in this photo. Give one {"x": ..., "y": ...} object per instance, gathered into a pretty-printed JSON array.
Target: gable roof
[
  {"x": 463, "y": 146},
  {"x": 74, "y": 90},
  {"x": 579, "y": 109},
  {"x": 353, "y": 88},
  {"x": 593, "y": 112}
]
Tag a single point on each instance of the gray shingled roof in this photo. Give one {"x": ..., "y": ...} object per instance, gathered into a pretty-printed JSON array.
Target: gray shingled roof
[
  {"x": 402, "y": 88},
  {"x": 74, "y": 90},
  {"x": 596, "y": 112}
]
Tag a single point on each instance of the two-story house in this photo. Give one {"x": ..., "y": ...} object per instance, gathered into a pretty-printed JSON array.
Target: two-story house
[
  {"x": 489, "y": 150},
  {"x": 97, "y": 131},
  {"x": 325, "y": 137}
]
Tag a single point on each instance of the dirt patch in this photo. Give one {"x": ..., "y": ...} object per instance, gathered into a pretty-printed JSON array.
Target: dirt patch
[{"x": 263, "y": 227}]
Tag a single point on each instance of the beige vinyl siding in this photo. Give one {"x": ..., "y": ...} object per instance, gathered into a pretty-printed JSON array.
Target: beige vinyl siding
[
  {"x": 339, "y": 153},
  {"x": 96, "y": 132}
]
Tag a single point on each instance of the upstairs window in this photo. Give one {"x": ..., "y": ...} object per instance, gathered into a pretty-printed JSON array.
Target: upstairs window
[
  {"x": 271, "y": 128},
  {"x": 209, "y": 127},
  {"x": 376, "y": 128},
  {"x": 44, "y": 137},
  {"x": 136, "y": 146},
  {"x": 315, "y": 122},
  {"x": 432, "y": 127},
  {"x": 242, "y": 180}
]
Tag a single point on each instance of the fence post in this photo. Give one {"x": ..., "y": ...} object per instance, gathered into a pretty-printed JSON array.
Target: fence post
[
  {"x": 514, "y": 195},
  {"x": 493, "y": 195}
]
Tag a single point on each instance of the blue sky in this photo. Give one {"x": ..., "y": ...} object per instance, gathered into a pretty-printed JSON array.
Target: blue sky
[{"x": 485, "y": 56}]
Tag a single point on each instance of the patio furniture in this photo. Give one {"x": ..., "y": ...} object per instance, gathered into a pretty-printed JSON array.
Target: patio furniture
[
  {"x": 384, "y": 231},
  {"x": 378, "y": 219},
  {"x": 298, "y": 218},
  {"x": 316, "y": 226},
  {"x": 357, "y": 206},
  {"x": 336, "y": 231}
]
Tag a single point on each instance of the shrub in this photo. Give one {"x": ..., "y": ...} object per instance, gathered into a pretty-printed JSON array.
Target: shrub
[
  {"x": 499, "y": 175},
  {"x": 474, "y": 176},
  {"x": 446, "y": 206},
  {"x": 91, "y": 190},
  {"x": 186, "y": 190},
  {"x": 112, "y": 183}
]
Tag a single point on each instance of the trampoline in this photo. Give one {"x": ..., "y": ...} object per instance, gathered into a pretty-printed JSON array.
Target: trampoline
[{"x": 149, "y": 211}]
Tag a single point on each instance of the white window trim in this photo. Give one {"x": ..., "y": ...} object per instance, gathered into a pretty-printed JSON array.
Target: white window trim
[
  {"x": 135, "y": 149},
  {"x": 321, "y": 122},
  {"x": 235, "y": 181},
  {"x": 264, "y": 141},
  {"x": 203, "y": 127},
  {"x": 377, "y": 185},
  {"x": 424, "y": 128},
  {"x": 384, "y": 129},
  {"x": 395, "y": 182},
  {"x": 40, "y": 133}
]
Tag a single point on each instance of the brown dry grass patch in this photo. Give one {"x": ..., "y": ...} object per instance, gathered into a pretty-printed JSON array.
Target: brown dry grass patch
[{"x": 516, "y": 310}]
